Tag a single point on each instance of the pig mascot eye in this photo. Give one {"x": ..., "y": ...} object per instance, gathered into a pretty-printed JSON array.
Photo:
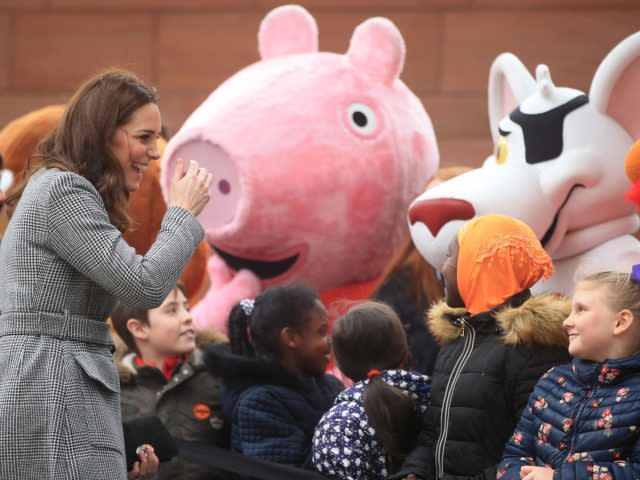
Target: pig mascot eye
[{"x": 362, "y": 118}]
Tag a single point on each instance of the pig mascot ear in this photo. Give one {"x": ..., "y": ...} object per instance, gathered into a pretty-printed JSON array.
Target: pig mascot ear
[
  {"x": 615, "y": 89},
  {"x": 509, "y": 84},
  {"x": 287, "y": 30},
  {"x": 377, "y": 48}
]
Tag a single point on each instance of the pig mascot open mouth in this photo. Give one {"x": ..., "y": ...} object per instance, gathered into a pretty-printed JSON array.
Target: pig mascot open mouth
[
  {"x": 558, "y": 166},
  {"x": 316, "y": 157}
]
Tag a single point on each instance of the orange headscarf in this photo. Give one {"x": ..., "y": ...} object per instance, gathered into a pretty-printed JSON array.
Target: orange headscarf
[{"x": 498, "y": 257}]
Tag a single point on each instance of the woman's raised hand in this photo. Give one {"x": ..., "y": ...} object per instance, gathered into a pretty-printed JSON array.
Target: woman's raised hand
[{"x": 190, "y": 190}]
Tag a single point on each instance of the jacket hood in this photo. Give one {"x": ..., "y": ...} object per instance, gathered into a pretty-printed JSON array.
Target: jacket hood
[
  {"x": 238, "y": 372},
  {"x": 416, "y": 385},
  {"x": 538, "y": 321},
  {"x": 124, "y": 356}
]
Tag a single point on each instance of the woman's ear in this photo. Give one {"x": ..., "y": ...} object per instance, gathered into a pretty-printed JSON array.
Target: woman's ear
[
  {"x": 624, "y": 321},
  {"x": 138, "y": 329},
  {"x": 288, "y": 338}
]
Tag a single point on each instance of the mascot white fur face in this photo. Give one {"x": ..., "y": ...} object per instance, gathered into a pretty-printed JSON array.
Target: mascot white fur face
[{"x": 558, "y": 166}]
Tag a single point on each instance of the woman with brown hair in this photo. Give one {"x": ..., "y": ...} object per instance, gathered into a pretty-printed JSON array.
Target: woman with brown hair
[
  {"x": 63, "y": 266},
  {"x": 410, "y": 285}
]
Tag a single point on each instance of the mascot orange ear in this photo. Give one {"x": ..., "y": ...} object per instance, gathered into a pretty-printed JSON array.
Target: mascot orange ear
[
  {"x": 632, "y": 168},
  {"x": 20, "y": 137}
]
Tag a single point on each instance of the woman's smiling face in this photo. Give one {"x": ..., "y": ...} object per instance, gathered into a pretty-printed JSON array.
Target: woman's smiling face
[{"x": 134, "y": 144}]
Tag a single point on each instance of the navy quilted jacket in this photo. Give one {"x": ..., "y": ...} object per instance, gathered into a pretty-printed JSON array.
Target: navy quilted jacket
[
  {"x": 582, "y": 421},
  {"x": 273, "y": 412}
]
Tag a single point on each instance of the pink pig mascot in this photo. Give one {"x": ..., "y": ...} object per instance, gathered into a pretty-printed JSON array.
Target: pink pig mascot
[{"x": 316, "y": 157}]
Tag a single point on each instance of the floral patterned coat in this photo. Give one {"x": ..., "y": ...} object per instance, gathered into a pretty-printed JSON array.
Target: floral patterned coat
[
  {"x": 345, "y": 443},
  {"x": 582, "y": 421}
]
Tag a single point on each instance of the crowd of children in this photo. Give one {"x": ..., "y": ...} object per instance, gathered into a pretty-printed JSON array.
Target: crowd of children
[{"x": 505, "y": 399}]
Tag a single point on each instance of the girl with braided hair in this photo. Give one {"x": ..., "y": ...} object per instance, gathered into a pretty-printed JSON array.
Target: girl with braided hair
[{"x": 274, "y": 388}]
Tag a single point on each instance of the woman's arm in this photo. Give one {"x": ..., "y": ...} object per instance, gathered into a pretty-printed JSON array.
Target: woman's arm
[{"x": 80, "y": 232}]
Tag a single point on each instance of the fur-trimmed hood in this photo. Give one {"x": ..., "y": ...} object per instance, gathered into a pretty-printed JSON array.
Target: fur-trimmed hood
[
  {"x": 123, "y": 355},
  {"x": 538, "y": 321}
]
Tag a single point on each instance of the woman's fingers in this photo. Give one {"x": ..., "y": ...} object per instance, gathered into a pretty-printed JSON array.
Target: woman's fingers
[
  {"x": 134, "y": 472},
  {"x": 208, "y": 181},
  {"x": 178, "y": 172},
  {"x": 193, "y": 168}
]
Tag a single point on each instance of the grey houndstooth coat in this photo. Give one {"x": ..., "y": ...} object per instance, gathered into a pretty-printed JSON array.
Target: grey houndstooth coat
[{"x": 62, "y": 268}]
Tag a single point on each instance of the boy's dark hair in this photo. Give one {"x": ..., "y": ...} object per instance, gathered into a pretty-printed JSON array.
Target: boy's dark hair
[
  {"x": 369, "y": 337},
  {"x": 276, "y": 308},
  {"x": 123, "y": 313}
]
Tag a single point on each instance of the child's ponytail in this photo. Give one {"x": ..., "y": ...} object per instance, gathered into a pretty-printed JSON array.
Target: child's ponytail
[
  {"x": 238, "y": 327},
  {"x": 391, "y": 414}
]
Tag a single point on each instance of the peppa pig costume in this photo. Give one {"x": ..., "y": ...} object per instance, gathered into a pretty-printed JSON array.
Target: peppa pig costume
[{"x": 316, "y": 157}]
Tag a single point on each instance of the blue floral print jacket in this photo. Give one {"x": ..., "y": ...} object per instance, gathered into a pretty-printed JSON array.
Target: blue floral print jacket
[
  {"x": 582, "y": 421},
  {"x": 345, "y": 444}
]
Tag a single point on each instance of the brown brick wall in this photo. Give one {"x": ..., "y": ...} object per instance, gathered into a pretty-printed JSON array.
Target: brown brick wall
[{"x": 187, "y": 47}]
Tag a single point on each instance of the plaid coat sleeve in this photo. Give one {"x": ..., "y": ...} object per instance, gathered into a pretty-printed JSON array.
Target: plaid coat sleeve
[{"x": 80, "y": 232}]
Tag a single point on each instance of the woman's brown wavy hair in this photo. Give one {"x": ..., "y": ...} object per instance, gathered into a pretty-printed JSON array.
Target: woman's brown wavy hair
[{"x": 79, "y": 142}]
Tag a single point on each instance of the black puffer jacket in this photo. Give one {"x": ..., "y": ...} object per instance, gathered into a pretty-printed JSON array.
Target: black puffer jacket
[{"x": 486, "y": 369}]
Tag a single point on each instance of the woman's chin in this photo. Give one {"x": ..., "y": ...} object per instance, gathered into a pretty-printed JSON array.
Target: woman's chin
[{"x": 132, "y": 187}]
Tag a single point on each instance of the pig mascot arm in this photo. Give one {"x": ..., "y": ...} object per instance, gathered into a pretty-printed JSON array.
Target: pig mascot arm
[{"x": 227, "y": 288}]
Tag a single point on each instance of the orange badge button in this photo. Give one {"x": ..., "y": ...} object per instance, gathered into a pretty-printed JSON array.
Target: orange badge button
[{"x": 201, "y": 411}]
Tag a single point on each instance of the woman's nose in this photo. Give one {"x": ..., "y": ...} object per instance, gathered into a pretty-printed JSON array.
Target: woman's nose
[{"x": 154, "y": 152}]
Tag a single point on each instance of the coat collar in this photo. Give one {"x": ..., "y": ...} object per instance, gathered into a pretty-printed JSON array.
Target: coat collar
[
  {"x": 416, "y": 385},
  {"x": 123, "y": 356},
  {"x": 239, "y": 372},
  {"x": 609, "y": 372},
  {"x": 534, "y": 320}
]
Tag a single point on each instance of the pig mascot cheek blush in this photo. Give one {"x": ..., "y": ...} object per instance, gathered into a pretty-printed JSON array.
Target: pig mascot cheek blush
[{"x": 316, "y": 157}]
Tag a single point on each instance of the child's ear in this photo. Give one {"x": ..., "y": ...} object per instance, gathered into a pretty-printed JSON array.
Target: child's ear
[
  {"x": 624, "y": 321},
  {"x": 138, "y": 329},
  {"x": 288, "y": 337}
]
